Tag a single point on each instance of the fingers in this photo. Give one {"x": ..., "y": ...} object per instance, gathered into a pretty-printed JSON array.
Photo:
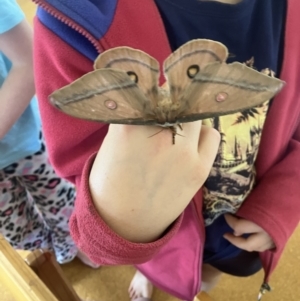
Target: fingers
[
  {"x": 241, "y": 226},
  {"x": 258, "y": 242}
]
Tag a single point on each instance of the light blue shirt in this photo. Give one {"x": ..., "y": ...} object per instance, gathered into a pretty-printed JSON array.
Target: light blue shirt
[{"x": 22, "y": 139}]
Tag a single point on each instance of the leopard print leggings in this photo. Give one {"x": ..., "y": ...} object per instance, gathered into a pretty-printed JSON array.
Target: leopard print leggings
[{"x": 35, "y": 206}]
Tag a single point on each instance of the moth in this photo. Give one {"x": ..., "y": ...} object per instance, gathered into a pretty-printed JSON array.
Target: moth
[{"x": 124, "y": 87}]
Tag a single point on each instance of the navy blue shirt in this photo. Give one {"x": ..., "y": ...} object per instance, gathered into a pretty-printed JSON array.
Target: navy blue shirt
[{"x": 251, "y": 28}]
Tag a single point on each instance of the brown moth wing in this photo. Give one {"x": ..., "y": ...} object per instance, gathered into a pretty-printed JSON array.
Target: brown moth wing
[
  {"x": 140, "y": 66},
  {"x": 221, "y": 89},
  {"x": 189, "y": 59},
  {"x": 105, "y": 95}
]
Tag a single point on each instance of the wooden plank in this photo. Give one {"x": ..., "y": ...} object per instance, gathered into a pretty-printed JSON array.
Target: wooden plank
[
  {"x": 44, "y": 264},
  {"x": 19, "y": 278}
]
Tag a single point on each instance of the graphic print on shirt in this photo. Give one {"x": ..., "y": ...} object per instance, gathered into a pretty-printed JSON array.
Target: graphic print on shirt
[{"x": 232, "y": 176}]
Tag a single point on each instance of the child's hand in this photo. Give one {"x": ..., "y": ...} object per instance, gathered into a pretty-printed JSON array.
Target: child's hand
[
  {"x": 141, "y": 184},
  {"x": 258, "y": 240}
]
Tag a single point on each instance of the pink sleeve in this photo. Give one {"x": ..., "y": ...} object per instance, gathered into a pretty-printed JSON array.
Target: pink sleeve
[
  {"x": 72, "y": 144},
  {"x": 98, "y": 241}
]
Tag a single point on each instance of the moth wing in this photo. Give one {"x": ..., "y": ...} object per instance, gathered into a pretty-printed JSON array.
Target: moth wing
[
  {"x": 181, "y": 66},
  {"x": 105, "y": 95},
  {"x": 141, "y": 67},
  {"x": 221, "y": 89}
]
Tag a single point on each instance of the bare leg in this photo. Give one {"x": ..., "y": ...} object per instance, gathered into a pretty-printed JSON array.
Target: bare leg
[
  {"x": 140, "y": 287},
  {"x": 210, "y": 277}
]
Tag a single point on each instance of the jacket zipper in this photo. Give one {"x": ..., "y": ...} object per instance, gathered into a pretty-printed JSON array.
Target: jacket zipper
[
  {"x": 265, "y": 287},
  {"x": 58, "y": 15}
]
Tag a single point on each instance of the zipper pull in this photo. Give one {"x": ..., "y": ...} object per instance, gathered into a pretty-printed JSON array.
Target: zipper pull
[{"x": 263, "y": 290}]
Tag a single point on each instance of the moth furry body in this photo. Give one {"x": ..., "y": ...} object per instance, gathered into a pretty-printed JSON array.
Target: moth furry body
[{"x": 124, "y": 87}]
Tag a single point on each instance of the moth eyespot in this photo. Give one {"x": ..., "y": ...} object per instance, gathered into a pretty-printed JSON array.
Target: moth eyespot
[
  {"x": 192, "y": 71},
  {"x": 133, "y": 76},
  {"x": 221, "y": 96},
  {"x": 110, "y": 104}
]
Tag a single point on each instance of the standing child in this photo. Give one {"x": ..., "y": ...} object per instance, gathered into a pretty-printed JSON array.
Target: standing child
[
  {"x": 35, "y": 204},
  {"x": 144, "y": 201}
]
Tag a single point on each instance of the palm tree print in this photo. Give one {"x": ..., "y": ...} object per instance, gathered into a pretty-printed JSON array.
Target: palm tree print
[{"x": 246, "y": 115}]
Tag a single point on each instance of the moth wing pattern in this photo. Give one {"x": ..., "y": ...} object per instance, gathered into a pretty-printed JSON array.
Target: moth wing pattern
[
  {"x": 181, "y": 66},
  {"x": 221, "y": 89},
  {"x": 124, "y": 89},
  {"x": 140, "y": 66},
  {"x": 104, "y": 95}
]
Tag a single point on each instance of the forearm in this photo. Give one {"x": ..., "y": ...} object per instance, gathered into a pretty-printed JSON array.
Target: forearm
[{"x": 15, "y": 95}]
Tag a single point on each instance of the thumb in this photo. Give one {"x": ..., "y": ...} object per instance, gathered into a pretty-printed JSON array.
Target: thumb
[{"x": 241, "y": 226}]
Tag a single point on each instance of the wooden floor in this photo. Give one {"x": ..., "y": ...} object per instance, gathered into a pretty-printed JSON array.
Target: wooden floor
[
  {"x": 29, "y": 8},
  {"x": 111, "y": 283}
]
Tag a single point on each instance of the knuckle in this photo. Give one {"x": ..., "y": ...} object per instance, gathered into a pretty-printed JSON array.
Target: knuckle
[{"x": 211, "y": 132}]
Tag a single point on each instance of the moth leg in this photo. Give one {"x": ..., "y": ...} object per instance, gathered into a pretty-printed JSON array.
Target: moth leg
[
  {"x": 174, "y": 133},
  {"x": 268, "y": 72},
  {"x": 173, "y": 130},
  {"x": 156, "y": 133},
  {"x": 250, "y": 63}
]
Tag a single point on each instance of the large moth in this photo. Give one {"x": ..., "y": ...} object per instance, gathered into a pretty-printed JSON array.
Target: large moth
[{"x": 124, "y": 87}]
